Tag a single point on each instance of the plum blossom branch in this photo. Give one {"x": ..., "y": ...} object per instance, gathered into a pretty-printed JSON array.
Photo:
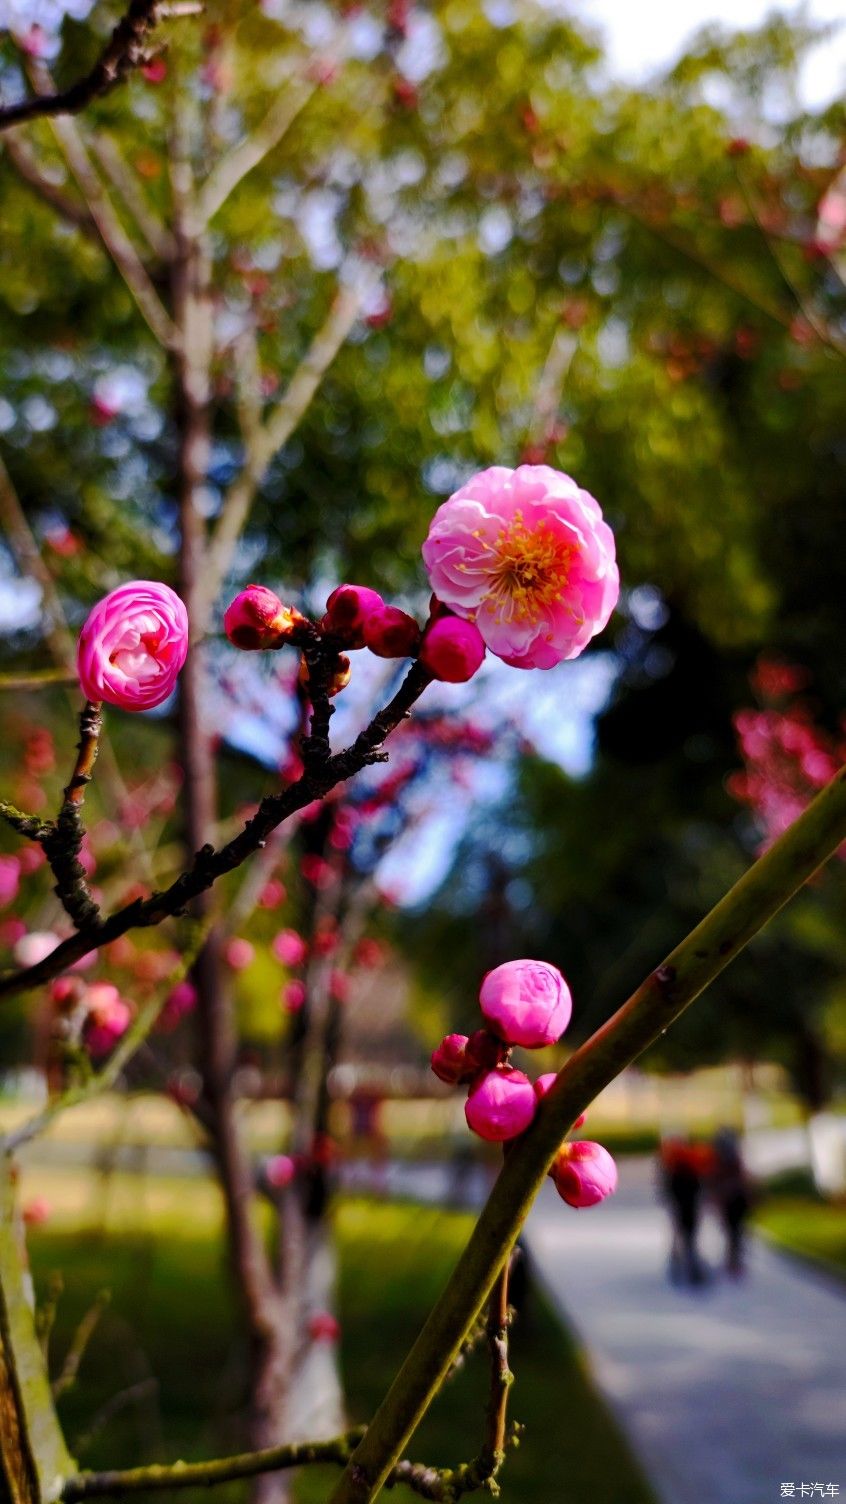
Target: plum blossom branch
[
  {"x": 446, "y": 1484},
  {"x": 210, "y": 863},
  {"x": 762, "y": 891},
  {"x": 126, "y": 50}
]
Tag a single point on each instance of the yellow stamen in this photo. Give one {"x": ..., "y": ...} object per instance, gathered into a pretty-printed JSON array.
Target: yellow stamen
[{"x": 530, "y": 572}]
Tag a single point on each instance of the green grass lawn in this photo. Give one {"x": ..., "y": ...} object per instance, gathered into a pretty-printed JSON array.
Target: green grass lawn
[
  {"x": 797, "y": 1218},
  {"x": 168, "y": 1343}
]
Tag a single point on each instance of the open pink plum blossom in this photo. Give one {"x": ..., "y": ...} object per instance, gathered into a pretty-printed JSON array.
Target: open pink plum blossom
[
  {"x": 526, "y": 1003},
  {"x": 500, "y": 1105},
  {"x": 584, "y": 1173},
  {"x": 133, "y": 645},
  {"x": 526, "y": 555}
]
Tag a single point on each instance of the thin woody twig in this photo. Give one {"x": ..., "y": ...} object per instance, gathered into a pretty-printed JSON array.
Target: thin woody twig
[
  {"x": 210, "y": 864},
  {"x": 112, "y": 234},
  {"x": 153, "y": 231},
  {"x": 64, "y": 841},
  {"x": 265, "y": 439},
  {"x": 105, "y": 1078},
  {"x": 206, "y": 1474},
  {"x": 248, "y": 153},
  {"x": 30, "y": 171},
  {"x": 39, "y": 679},
  {"x": 79, "y": 1343},
  {"x": 125, "y": 51}
]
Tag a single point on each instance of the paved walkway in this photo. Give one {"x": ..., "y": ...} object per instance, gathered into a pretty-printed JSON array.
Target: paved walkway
[{"x": 726, "y": 1391}]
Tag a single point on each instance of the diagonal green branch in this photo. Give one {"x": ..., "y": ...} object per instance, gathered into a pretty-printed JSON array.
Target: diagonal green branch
[{"x": 665, "y": 994}]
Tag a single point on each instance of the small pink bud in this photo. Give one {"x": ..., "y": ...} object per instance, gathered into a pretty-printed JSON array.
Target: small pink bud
[
  {"x": 272, "y": 894},
  {"x": 500, "y": 1105},
  {"x": 258, "y": 619},
  {"x": 36, "y": 1211},
  {"x": 452, "y": 650},
  {"x": 339, "y": 986},
  {"x": 391, "y": 633},
  {"x": 280, "y": 1171},
  {"x": 289, "y": 948},
  {"x": 450, "y": 1062},
  {"x": 238, "y": 953},
  {"x": 324, "y": 1327},
  {"x": 526, "y": 1003},
  {"x": 584, "y": 1173},
  {"x": 545, "y": 1084},
  {"x": 10, "y": 877},
  {"x": 293, "y": 996},
  {"x": 347, "y": 609},
  {"x": 182, "y": 998},
  {"x": 133, "y": 645}
]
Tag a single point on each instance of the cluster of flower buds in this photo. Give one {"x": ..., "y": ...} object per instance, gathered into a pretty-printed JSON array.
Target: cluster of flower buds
[
  {"x": 521, "y": 562},
  {"x": 525, "y": 1003}
]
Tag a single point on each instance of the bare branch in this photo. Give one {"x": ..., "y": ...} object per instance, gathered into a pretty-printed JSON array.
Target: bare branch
[
  {"x": 155, "y": 234},
  {"x": 28, "y": 558},
  {"x": 79, "y": 1342},
  {"x": 64, "y": 842},
  {"x": 248, "y": 153},
  {"x": 40, "y": 678},
  {"x": 113, "y": 235},
  {"x": 220, "y": 1470},
  {"x": 269, "y": 436},
  {"x": 125, "y": 51},
  {"x": 30, "y": 171},
  {"x": 108, "y": 1074}
]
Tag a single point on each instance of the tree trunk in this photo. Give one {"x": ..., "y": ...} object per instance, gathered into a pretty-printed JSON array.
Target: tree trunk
[{"x": 216, "y": 1038}]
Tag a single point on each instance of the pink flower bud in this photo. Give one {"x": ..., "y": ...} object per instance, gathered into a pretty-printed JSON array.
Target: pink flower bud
[
  {"x": 289, "y": 948},
  {"x": 391, "y": 633},
  {"x": 339, "y": 986},
  {"x": 280, "y": 1171},
  {"x": 133, "y": 645},
  {"x": 526, "y": 1003},
  {"x": 500, "y": 1105},
  {"x": 272, "y": 894},
  {"x": 324, "y": 1327},
  {"x": 452, "y": 650},
  {"x": 238, "y": 953},
  {"x": 10, "y": 877},
  {"x": 347, "y": 610},
  {"x": 584, "y": 1173},
  {"x": 450, "y": 1062},
  {"x": 109, "y": 1017},
  {"x": 293, "y": 996},
  {"x": 182, "y": 998},
  {"x": 544, "y": 1084},
  {"x": 258, "y": 619},
  {"x": 36, "y": 1211}
]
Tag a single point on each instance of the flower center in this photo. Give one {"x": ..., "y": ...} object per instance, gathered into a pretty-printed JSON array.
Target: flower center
[
  {"x": 140, "y": 652},
  {"x": 530, "y": 570}
]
